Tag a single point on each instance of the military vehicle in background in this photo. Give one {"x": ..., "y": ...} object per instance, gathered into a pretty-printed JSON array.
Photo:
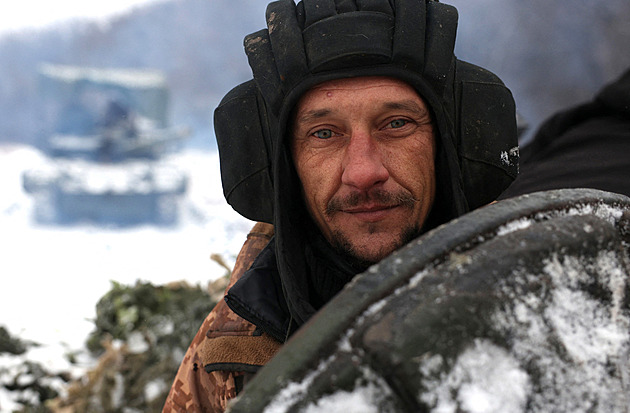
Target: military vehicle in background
[{"x": 106, "y": 149}]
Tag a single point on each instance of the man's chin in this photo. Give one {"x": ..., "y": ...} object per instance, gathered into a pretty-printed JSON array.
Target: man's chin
[
  {"x": 370, "y": 251},
  {"x": 361, "y": 259}
]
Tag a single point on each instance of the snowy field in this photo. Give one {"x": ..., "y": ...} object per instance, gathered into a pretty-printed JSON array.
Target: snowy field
[{"x": 52, "y": 276}]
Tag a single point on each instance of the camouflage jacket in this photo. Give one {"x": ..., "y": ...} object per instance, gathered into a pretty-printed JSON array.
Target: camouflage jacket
[{"x": 226, "y": 351}]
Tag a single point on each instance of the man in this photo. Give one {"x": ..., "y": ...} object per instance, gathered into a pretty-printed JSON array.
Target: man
[{"x": 360, "y": 131}]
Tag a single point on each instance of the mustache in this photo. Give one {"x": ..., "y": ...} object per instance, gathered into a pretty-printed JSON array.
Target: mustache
[{"x": 377, "y": 196}]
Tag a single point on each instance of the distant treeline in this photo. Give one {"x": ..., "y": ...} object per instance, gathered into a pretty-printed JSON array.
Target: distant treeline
[{"x": 552, "y": 54}]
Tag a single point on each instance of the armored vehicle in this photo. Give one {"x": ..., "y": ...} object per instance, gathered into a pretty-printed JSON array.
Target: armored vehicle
[
  {"x": 106, "y": 148},
  {"x": 520, "y": 306}
]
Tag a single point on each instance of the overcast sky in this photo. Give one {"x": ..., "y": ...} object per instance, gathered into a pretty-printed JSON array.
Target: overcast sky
[{"x": 18, "y": 14}]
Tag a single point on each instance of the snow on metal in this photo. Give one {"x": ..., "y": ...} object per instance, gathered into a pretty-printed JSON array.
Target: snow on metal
[{"x": 521, "y": 306}]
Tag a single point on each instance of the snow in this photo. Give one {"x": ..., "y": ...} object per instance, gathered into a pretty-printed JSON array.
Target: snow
[
  {"x": 132, "y": 177},
  {"x": 295, "y": 391},
  {"x": 128, "y": 78},
  {"x": 363, "y": 399},
  {"x": 371, "y": 394},
  {"x": 589, "y": 335},
  {"x": 514, "y": 226},
  {"x": 53, "y": 276},
  {"x": 484, "y": 379}
]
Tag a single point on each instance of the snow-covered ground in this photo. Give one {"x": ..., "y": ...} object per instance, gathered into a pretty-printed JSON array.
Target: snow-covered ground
[{"x": 52, "y": 276}]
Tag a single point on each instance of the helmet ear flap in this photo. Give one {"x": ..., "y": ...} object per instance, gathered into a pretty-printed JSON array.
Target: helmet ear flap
[
  {"x": 488, "y": 143},
  {"x": 441, "y": 30},
  {"x": 243, "y": 138}
]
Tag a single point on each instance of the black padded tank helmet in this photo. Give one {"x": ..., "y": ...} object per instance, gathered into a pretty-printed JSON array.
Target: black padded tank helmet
[{"x": 319, "y": 40}]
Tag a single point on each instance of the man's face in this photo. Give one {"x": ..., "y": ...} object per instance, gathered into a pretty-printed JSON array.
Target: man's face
[{"x": 364, "y": 150}]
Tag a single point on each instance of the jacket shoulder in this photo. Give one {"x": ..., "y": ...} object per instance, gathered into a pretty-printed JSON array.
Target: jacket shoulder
[{"x": 226, "y": 350}]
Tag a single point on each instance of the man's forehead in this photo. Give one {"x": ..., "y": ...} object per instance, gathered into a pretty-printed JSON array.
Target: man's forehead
[{"x": 387, "y": 92}]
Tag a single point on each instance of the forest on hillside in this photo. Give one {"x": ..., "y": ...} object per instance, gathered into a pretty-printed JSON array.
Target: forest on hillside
[{"x": 552, "y": 54}]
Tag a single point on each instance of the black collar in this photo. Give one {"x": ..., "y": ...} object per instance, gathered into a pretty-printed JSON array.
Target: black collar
[{"x": 258, "y": 296}]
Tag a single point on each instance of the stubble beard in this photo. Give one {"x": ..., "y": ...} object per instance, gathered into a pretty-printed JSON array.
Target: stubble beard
[
  {"x": 344, "y": 245},
  {"x": 359, "y": 260}
]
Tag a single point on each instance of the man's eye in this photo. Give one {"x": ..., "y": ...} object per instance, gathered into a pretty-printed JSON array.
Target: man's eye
[
  {"x": 398, "y": 123},
  {"x": 323, "y": 134}
]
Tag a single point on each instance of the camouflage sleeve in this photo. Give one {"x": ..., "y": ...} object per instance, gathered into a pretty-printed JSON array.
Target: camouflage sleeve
[{"x": 195, "y": 390}]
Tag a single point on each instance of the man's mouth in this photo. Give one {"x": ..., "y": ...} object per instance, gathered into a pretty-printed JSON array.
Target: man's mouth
[
  {"x": 370, "y": 213},
  {"x": 370, "y": 207}
]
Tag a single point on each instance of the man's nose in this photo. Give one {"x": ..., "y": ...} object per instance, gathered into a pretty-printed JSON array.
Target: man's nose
[{"x": 363, "y": 166}]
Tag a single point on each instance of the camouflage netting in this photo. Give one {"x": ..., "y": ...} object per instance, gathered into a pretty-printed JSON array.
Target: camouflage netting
[
  {"x": 521, "y": 306},
  {"x": 29, "y": 383},
  {"x": 140, "y": 336}
]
